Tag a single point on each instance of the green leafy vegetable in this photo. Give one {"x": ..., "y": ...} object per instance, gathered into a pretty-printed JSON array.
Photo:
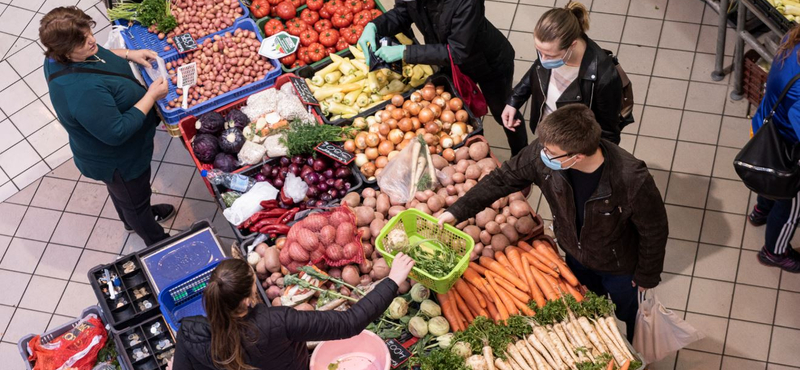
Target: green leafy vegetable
[
  {"x": 439, "y": 359},
  {"x": 437, "y": 262},
  {"x": 302, "y": 137},
  {"x": 147, "y": 12}
]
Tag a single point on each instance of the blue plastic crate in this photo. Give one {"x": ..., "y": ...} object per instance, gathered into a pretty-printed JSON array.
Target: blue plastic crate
[
  {"x": 137, "y": 37},
  {"x": 172, "y": 116},
  {"x": 185, "y": 298}
]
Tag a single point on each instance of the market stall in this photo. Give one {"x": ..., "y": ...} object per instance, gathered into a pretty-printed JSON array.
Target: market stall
[{"x": 325, "y": 174}]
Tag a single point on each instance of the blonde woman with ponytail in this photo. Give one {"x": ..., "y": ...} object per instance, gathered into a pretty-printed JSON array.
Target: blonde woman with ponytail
[
  {"x": 571, "y": 68},
  {"x": 240, "y": 333}
]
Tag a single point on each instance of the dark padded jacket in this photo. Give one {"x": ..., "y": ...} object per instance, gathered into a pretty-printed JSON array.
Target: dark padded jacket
[
  {"x": 598, "y": 87},
  {"x": 625, "y": 223},
  {"x": 281, "y": 332},
  {"x": 479, "y": 49}
]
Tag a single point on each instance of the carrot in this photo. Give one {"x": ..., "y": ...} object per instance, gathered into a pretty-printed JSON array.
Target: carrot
[
  {"x": 498, "y": 269},
  {"x": 543, "y": 263},
  {"x": 478, "y": 268},
  {"x": 522, "y": 306},
  {"x": 469, "y": 298},
  {"x": 501, "y": 308},
  {"x": 546, "y": 288},
  {"x": 563, "y": 269},
  {"x": 574, "y": 292},
  {"x": 493, "y": 311},
  {"x": 516, "y": 261},
  {"x": 536, "y": 293},
  {"x": 444, "y": 300},
  {"x": 499, "y": 256},
  {"x": 610, "y": 365},
  {"x": 524, "y": 246},
  {"x": 477, "y": 293},
  {"x": 476, "y": 280},
  {"x": 554, "y": 284},
  {"x": 625, "y": 365},
  {"x": 505, "y": 300},
  {"x": 461, "y": 305},
  {"x": 509, "y": 287}
]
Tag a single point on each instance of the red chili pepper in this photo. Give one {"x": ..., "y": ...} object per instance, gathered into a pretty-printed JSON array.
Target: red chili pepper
[
  {"x": 289, "y": 216},
  {"x": 265, "y": 222},
  {"x": 269, "y": 204},
  {"x": 275, "y": 229}
]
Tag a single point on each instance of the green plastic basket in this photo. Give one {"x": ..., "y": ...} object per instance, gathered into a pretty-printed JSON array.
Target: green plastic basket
[{"x": 418, "y": 226}]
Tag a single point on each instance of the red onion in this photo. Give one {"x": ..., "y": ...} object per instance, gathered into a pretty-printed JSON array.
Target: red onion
[
  {"x": 322, "y": 186},
  {"x": 284, "y": 171},
  {"x": 306, "y": 171},
  {"x": 310, "y": 161},
  {"x": 261, "y": 177},
  {"x": 266, "y": 169},
  {"x": 343, "y": 172},
  {"x": 285, "y": 161},
  {"x": 330, "y": 182},
  {"x": 298, "y": 159},
  {"x": 338, "y": 184},
  {"x": 311, "y": 178},
  {"x": 319, "y": 165},
  {"x": 312, "y": 192},
  {"x": 278, "y": 183},
  {"x": 347, "y": 186},
  {"x": 275, "y": 172},
  {"x": 295, "y": 169},
  {"x": 328, "y": 173},
  {"x": 325, "y": 197},
  {"x": 319, "y": 203}
]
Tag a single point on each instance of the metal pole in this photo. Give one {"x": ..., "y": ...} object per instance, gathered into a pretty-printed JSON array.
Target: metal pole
[
  {"x": 738, "y": 53},
  {"x": 718, "y": 74}
]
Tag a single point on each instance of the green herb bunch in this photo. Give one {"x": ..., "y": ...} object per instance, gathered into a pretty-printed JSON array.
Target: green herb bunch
[
  {"x": 147, "y": 12},
  {"x": 301, "y": 137}
]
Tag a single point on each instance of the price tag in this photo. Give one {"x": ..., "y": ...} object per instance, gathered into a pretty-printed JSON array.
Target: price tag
[
  {"x": 398, "y": 354},
  {"x": 279, "y": 45},
  {"x": 305, "y": 94},
  {"x": 185, "y": 43},
  {"x": 335, "y": 152},
  {"x": 187, "y": 77}
]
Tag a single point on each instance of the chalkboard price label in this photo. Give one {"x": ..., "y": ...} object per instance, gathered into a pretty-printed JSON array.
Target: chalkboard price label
[
  {"x": 185, "y": 43},
  {"x": 399, "y": 354},
  {"x": 305, "y": 94},
  {"x": 335, "y": 152}
]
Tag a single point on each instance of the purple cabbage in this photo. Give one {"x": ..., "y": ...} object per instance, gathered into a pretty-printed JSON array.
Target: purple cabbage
[
  {"x": 231, "y": 141},
  {"x": 225, "y": 162},
  {"x": 205, "y": 147},
  {"x": 236, "y": 119},
  {"x": 210, "y": 123}
]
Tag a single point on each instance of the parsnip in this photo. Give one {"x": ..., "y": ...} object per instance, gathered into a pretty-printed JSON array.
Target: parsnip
[
  {"x": 541, "y": 334},
  {"x": 555, "y": 341},
  {"x": 523, "y": 350},
  {"x": 611, "y": 323},
  {"x": 536, "y": 344},
  {"x": 591, "y": 334},
  {"x": 516, "y": 356},
  {"x": 612, "y": 348}
]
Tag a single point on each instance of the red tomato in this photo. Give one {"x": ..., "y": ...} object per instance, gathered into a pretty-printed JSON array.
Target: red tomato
[
  {"x": 354, "y": 6},
  {"x": 362, "y": 18},
  {"x": 341, "y": 44},
  {"x": 295, "y": 27},
  {"x": 274, "y": 2},
  {"x": 352, "y": 34},
  {"x": 273, "y": 13},
  {"x": 331, "y": 7},
  {"x": 329, "y": 37},
  {"x": 286, "y": 10},
  {"x": 298, "y": 63},
  {"x": 330, "y": 50},
  {"x": 302, "y": 54},
  {"x": 308, "y": 37},
  {"x": 315, "y": 5},
  {"x": 369, "y": 4},
  {"x": 375, "y": 13},
  {"x": 289, "y": 59},
  {"x": 342, "y": 18},
  {"x": 260, "y": 8},
  {"x": 316, "y": 52},
  {"x": 322, "y": 25},
  {"x": 297, "y": 3},
  {"x": 324, "y": 13},
  {"x": 273, "y": 26},
  {"x": 309, "y": 16}
]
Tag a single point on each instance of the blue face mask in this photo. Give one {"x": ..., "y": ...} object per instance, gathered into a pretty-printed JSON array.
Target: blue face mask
[
  {"x": 553, "y": 63},
  {"x": 553, "y": 164}
]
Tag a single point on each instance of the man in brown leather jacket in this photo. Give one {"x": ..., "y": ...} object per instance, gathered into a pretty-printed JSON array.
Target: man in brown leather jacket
[{"x": 608, "y": 215}]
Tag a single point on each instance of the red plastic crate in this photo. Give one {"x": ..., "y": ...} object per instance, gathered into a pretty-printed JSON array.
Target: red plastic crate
[{"x": 188, "y": 129}]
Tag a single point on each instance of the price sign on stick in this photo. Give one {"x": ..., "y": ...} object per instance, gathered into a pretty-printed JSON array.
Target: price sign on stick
[
  {"x": 305, "y": 94},
  {"x": 185, "y": 43},
  {"x": 187, "y": 77},
  {"x": 398, "y": 353},
  {"x": 335, "y": 152}
]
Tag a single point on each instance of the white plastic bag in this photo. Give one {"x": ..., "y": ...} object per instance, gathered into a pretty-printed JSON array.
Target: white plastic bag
[
  {"x": 251, "y": 153},
  {"x": 295, "y": 188},
  {"x": 249, "y": 203},
  {"x": 115, "y": 40},
  {"x": 659, "y": 331},
  {"x": 157, "y": 69},
  {"x": 408, "y": 172}
]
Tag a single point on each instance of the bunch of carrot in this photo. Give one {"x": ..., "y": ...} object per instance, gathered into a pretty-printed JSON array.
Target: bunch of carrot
[{"x": 502, "y": 286}]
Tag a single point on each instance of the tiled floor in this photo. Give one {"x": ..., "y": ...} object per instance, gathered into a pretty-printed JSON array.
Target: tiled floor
[{"x": 687, "y": 131}]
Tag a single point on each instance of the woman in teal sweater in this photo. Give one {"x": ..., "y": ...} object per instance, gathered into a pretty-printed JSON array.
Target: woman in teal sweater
[{"x": 108, "y": 115}]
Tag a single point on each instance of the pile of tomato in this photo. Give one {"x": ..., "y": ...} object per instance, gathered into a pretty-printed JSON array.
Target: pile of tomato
[{"x": 324, "y": 27}]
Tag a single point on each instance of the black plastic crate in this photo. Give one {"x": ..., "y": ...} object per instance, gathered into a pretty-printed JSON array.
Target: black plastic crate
[
  {"x": 774, "y": 15},
  {"x": 242, "y": 235},
  {"x": 133, "y": 280},
  {"x": 150, "y": 336}
]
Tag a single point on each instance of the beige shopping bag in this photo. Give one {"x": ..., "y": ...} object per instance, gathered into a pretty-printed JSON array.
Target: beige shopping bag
[{"x": 660, "y": 331}]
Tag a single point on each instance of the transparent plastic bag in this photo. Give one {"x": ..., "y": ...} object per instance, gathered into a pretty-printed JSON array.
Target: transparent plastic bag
[
  {"x": 410, "y": 171},
  {"x": 659, "y": 331},
  {"x": 295, "y": 188},
  {"x": 251, "y": 153},
  {"x": 157, "y": 69},
  {"x": 249, "y": 203},
  {"x": 115, "y": 40}
]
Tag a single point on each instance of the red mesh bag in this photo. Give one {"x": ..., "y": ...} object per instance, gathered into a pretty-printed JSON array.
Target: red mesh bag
[
  {"x": 76, "y": 349},
  {"x": 330, "y": 236}
]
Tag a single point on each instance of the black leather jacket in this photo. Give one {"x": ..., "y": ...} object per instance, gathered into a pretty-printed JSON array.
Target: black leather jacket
[
  {"x": 479, "y": 49},
  {"x": 281, "y": 333},
  {"x": 625, "y": 223},
  {"x": 598, "y": 86}
]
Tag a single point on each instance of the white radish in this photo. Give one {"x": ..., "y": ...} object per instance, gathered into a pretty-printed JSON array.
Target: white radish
[
  {"x": 516, "y": 356},
  {"x": 534, "y": 342},
  {"x": 562, "y": 351},
  {"x": 612, "y": 324},
  {"x": 541, "y": 334}
]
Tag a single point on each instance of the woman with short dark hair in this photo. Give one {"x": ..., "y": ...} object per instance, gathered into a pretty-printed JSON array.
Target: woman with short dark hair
[{"x": 107, "y": 114}]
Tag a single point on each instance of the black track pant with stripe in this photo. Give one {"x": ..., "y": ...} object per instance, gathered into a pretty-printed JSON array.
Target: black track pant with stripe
[{"x": 781, "y": 223}]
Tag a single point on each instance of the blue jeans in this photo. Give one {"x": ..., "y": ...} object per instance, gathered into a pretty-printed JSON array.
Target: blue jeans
[
  {"x": 781, "y": 222},
  {"x": 623, "y": 294}
]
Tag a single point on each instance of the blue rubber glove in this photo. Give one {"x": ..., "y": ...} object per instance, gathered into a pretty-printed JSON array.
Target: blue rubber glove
[
  {"x": 391, "y": 54},
  {"x": 368, "y": 37}
]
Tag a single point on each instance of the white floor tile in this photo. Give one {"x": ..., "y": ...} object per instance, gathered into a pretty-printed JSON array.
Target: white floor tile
[
  {"x": 51, "y": 4},
  {"x": 31, "y": 118},
  {"x": 49, "y": 139},
  {"x": 32, "y": 31},
  {"x": 14, "y": 20},
  {"x": 9, "y": 135},
  {"x": 28, "y": 4},
  {"x": 30, "y": 175},
  {"x": 18, "y": 158},
  {"x": 37, "y": 82},
  {"x": 27, "y": 59},
  {"x": 7, "y": 74},
  {"x": 16, "y": 97},
  {"x": 59, "y": 157}
]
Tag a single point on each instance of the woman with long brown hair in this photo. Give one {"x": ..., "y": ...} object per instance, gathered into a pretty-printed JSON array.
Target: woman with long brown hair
[
  {"x": 241, "y": 334},
  {"x": 571, "y": 68},
  {"x": 780, "y": 216}
]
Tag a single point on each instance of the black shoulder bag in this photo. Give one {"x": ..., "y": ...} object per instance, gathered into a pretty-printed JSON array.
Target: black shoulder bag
[{"x": 767, "y": 164}]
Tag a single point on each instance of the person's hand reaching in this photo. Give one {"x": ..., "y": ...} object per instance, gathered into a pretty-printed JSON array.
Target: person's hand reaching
[
  {"x": 509, "y": 118},
  {"x": 142, "y": 57},
  {"x": 158, "y": 89},
  {"x": 401, "y": 266},
  {"x": 446, "y": 218}
]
